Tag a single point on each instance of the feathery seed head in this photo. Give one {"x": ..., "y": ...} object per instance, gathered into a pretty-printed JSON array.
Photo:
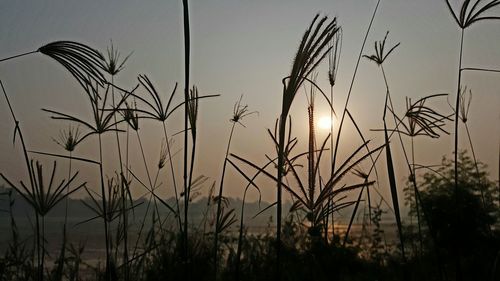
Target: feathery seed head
[
  {"x": 312, "y": 50},
  {"x": 335, "y": 46},
  {"x": 83, "y": 62}
]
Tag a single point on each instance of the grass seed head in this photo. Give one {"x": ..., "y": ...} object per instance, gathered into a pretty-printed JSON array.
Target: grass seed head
[
  {"x": 472, "y": 11},
  {"x": 379, "y": 57},
  {"x": 69, "y": 139},
  {"x": 113, "y": 65},
  {"x": 240, "y": 111}
]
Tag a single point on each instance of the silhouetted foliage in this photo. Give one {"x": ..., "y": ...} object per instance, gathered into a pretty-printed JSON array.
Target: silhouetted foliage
[{"x": 467, "y": 218}]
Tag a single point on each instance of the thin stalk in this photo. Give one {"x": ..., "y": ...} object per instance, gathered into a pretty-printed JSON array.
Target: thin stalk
[
  {"x": 141, "y": 228},
  {"x": 123, "y": 186},
  {"x": 390, "y": 166},
  {"x": 219, "y": 201},
  {"x": 17, "y": 56},
  {"x": 414, "y": 181},
  {"x": 310, "y": 160},
  {"x": 457, "y": 106},
  {"x": 329, "y": 203},
  {"x": 21, "y": 138},
  {"x": 17, "y": 129},
  {"x": 127, "y": 153},
  {"x": 104, "y": 210},
  {"x": 173, "y": 175},
  {"x": 411, "y": 170},
  {"x": 187, "y": 43},
  {"x": 67, "y": 192},
  {"x": 191, "y": 167},
  {"x": 392, "y": 181},
  {"x": 144, "y": 159},
  {"x": 476, "y": 166},
  {"x": 351, "y": 86},
  {"x": 116, "y": 125},
  {"x": 39, "y": 258},
  {"x": 43, "y": 247},
  {"x": 149, "y": 178},
  {"x": 353, "y": 215},
  {"x": 388, "y": 102},
  {"x": 240, "y": 238},
  {"x": 480, "y": 69},
  {"x": 281, "y": 162},
  {"x": 61, "y": 258}
]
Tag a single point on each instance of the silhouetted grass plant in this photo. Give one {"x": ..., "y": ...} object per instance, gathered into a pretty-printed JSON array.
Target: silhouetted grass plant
[
  {"x": 182, "y": 250},
  {"x": 239, "y": 112},
  {"x": 312, "y": 50}
]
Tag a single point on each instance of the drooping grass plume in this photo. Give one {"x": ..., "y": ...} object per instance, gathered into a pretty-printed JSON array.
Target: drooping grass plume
[{"x": 82, "y": 61}]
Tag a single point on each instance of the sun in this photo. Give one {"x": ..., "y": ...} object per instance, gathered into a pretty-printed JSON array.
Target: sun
[{"x": 325, "y": 122}]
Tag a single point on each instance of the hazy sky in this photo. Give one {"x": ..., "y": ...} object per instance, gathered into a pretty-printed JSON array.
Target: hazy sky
[{"x": 244, "y": 47}]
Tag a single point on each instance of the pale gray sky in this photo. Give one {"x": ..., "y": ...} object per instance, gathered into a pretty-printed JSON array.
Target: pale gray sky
[{"x": 244, "y": 47}]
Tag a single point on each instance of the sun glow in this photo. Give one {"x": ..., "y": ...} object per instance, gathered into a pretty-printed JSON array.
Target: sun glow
[{"x": 325, "y": 122}]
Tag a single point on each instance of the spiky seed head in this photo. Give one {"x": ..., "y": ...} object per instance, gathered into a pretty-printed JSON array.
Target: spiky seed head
[
  {"x": 423, "y": 120},
  {"x": 163, "y": 155},
  {"x": 465, "y": 101},
  {"x": 130, "y": 115},
  {"x": 473, "y": 11},
  {"x": 112, "y": 62},
  {"x": 379, "y": 57},
  {"x": 240, "y": 111},
  {"x": 193, "y": 109},
  {"x": 69, "y": 139}
]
